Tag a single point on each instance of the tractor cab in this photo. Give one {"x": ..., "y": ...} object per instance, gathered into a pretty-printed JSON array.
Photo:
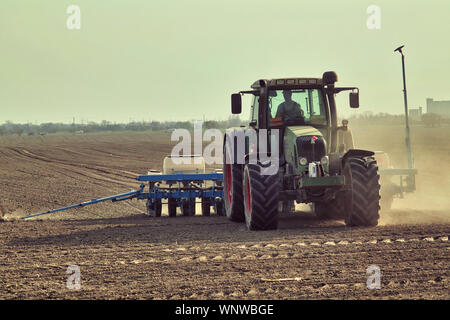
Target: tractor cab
[{"x": 297, "y": 104}]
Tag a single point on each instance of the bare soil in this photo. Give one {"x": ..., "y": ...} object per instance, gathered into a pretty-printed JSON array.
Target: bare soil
[{"x": 123, "y": 254}]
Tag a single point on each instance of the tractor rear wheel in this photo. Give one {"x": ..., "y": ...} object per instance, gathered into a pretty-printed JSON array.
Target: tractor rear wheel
[
  {"x": 363, "y": 192},
  {"x": 232, "y": 188},
  {"x": 172, "y": 205},
  {"x": 260, "y": 198}
]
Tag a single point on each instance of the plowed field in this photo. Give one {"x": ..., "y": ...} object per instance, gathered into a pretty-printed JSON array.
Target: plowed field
[{"x": 123, "y": 254}]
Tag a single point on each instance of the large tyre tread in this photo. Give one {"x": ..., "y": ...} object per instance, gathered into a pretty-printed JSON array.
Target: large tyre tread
[
  {"x": 364, "y": 205},
  {"x": 264, "y": 191}
]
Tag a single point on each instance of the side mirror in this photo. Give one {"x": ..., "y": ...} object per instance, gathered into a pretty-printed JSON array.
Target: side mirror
[
  {"x": 236, "y": 103},
  {"x": 354, "y": 99}
]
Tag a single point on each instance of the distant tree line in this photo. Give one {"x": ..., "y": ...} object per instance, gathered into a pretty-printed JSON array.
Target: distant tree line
[
  {"x": 365, "y": 118},
  {"x": 9, "y": 128},
  {"x": 368, "y": 117}
]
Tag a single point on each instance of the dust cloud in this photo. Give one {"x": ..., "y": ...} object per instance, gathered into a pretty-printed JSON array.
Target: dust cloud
[
  {"x": 430, "y": 202},
  {"x": 12, "y": 216}
]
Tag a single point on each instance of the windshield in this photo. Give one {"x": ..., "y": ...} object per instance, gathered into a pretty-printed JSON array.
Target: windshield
[{"x": 301, "y": 106}]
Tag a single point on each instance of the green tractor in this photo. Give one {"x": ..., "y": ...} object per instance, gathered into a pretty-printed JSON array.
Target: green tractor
[{"x": 289, "y": 152}]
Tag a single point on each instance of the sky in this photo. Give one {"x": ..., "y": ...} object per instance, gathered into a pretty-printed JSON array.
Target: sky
[{"x": 182, "y": 59}]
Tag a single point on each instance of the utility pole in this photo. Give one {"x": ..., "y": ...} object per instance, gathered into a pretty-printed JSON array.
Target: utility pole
[{"x": 405, "y": 96}]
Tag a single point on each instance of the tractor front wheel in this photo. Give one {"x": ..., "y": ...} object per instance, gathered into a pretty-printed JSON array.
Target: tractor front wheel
[
  {"x": 363, "y": 192},
  {"x": 260, "y": 198}
]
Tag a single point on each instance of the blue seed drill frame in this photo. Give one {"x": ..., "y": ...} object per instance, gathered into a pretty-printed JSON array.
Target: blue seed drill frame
[{"x": 179, "y": 189}]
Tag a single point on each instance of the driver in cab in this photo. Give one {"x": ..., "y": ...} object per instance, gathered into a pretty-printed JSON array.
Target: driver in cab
[{"x": 289, "y": 108}]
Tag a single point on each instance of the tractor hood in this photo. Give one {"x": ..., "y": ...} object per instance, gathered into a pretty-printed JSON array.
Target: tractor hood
[
  {"x": 298, "y": 131},
  {"x": 303, "y": 141}
]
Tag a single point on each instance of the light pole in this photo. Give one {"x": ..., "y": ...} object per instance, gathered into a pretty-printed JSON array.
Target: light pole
[{"x": 408, "y": 140}]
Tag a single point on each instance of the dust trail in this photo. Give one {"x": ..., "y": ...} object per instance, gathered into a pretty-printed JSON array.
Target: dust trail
[
  {"x": 430, "y": 202},
  {"x": 12, "y": 216},
  {"x": 411, "y": 216}
]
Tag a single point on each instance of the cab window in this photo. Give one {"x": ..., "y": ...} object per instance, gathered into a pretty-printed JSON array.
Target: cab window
[{"x": 303, "y": 105}]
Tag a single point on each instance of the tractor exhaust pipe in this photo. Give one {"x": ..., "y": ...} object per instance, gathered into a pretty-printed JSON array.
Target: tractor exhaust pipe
[{"x": 408, "y": 139}]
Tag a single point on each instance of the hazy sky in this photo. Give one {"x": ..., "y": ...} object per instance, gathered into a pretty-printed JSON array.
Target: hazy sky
[{"x": 181, "y": 59}]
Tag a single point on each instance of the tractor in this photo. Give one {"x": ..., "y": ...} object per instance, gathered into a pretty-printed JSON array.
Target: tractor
[{"x": 293, "y": 127}]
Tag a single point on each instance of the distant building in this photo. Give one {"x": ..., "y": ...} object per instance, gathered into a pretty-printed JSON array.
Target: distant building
[
  {"x": 441, "y": 108},
  {"x": 415, "y": 114}
]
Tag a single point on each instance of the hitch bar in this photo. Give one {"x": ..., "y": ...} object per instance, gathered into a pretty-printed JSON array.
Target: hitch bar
[{"x": 118, "y": 197}]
